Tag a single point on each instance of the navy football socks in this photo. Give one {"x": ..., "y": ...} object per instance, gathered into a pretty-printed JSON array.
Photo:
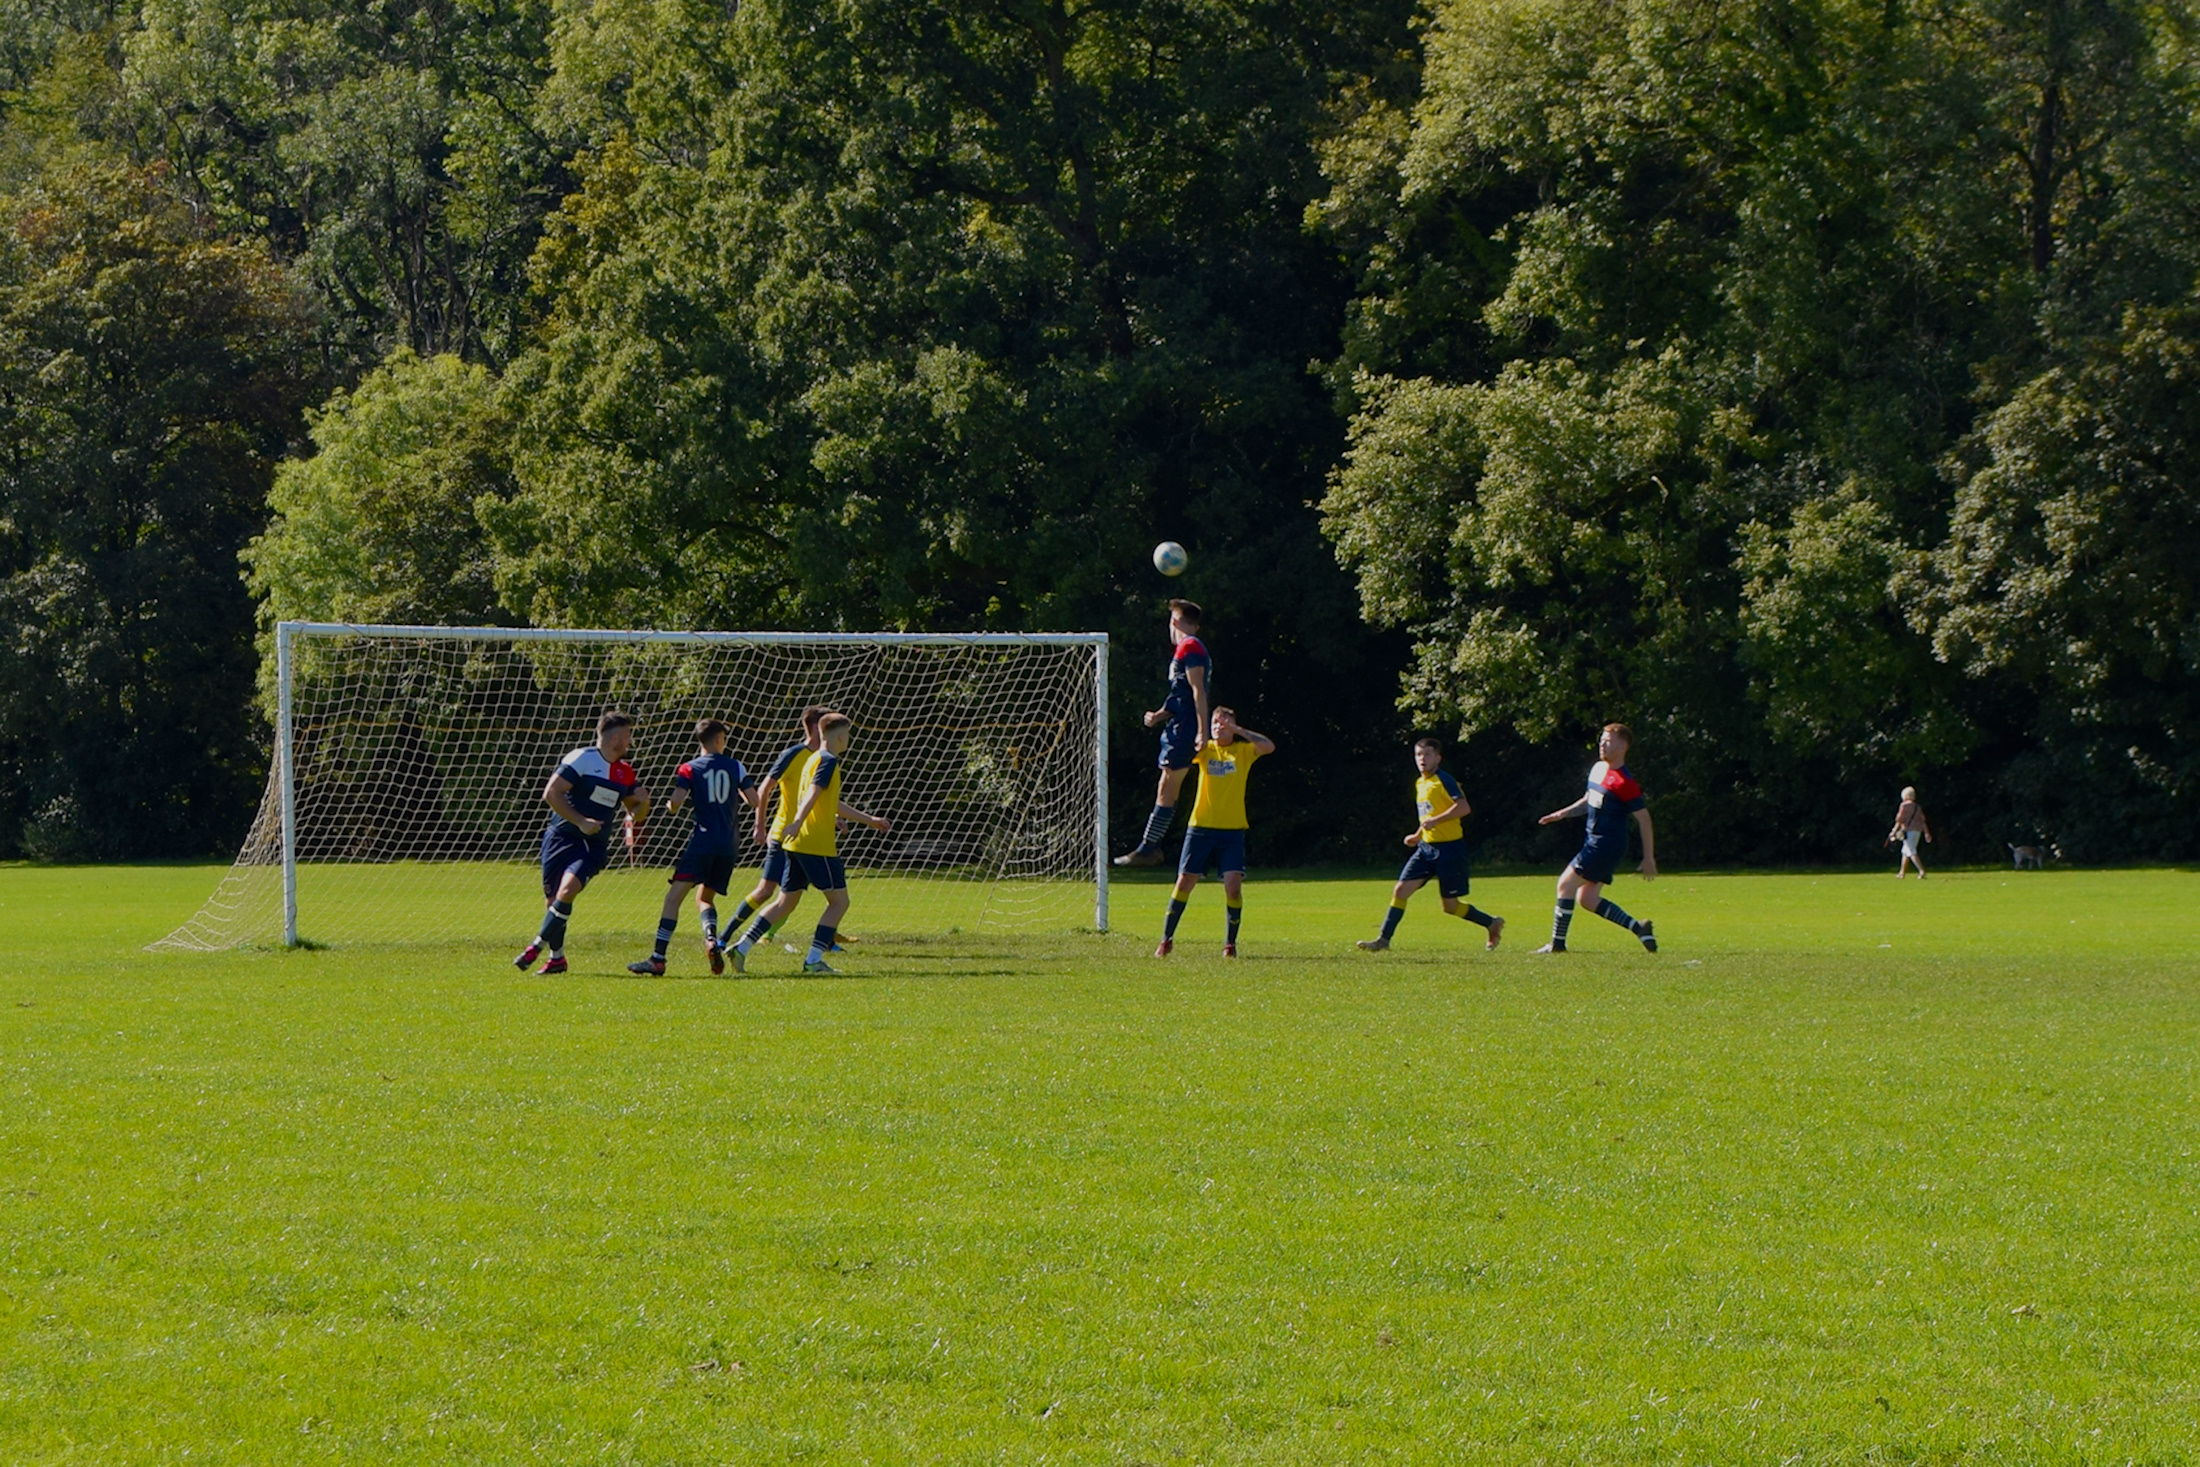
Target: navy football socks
[
  {"x": 553, "y": 926},
  {"x": 1610, "y": 911},
  {"x": 1562, "y": 917}
]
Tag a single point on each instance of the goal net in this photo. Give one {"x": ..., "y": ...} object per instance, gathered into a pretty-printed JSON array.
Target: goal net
[{"x": 404, "y": 805}]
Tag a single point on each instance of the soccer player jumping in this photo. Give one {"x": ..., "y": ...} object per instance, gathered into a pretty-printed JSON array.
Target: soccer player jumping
[
  {"x": 587, "y": 788},
  {"x": 1612, "y": 796},
  {"x": 1182, "y": 719},
  {"x": 1439, "y": 851},
  {"x": 717, "y": 782}
]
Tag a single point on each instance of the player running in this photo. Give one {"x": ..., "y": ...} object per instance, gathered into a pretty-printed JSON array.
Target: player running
[
  {"x": 1181, "y": 717},
  {"x": 1612, "y": 796},
  {"x": 783, "y": 778},
  {"x": 1217, "y": 833},
  {"x": 812, "y": 847},
  {"x": 1439, "y": 851},
  {"x": 588, "y": 787},
  {"x": 716, "y": 782}
]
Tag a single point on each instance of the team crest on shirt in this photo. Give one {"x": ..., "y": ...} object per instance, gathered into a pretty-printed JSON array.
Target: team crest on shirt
[{"x": 1221, "y": 766}]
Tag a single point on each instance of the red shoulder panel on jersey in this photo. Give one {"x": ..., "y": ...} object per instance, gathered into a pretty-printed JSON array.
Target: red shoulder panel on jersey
[
  {"x": 1623, "y": 784},
  {"x": 623, "y": 773},
  {"x": 1191, "y": 647},
  {"x": 687, "y": 771}
]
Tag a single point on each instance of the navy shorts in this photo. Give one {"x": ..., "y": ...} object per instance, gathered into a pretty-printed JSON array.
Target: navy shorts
[
  {"x": 1599, "y": 863},
  {"x": 565, "y": 851},
  {"x": 1180, "y": 740},
  {"x": 826, "y": 873},
  {"x": 708, "y": 865},
  {"x": 1224, "y": 849},
  {"x": 1443, "y": 862},
  {"x": 780, "y": 869}
]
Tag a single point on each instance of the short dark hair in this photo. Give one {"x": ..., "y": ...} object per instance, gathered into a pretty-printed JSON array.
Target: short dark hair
[
  {"x": 812, "y": 714},
  {"x": 1189, "y": 610},
  {"x": 1429, "y": 741},
  {"x": 707, "y": 729},
  {"x": 613, "y": 718},
  {"x": 832, "y": 722},
  {"x": 1623, "y": 731}
]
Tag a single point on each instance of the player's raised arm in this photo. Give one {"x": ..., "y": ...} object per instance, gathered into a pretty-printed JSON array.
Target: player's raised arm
[
  {"x": 1261, "y": 742},
  {"x": 558, "y": 795},
  {"x": 1568, "y": 813}
]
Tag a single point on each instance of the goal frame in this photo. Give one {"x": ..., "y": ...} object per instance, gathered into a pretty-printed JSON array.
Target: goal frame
[{"x": 287, "y": 634}]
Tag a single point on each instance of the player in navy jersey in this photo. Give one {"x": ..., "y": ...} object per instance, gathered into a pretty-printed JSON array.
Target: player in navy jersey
[
  {"x": 589, "y": 787},
  {"x": 715, "y": 784},
  {"x": 1612, "y": 796},
  {"x": 1183, "y": 720}
]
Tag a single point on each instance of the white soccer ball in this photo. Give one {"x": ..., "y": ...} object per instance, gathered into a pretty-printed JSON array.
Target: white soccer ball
[{"x": 1169, "y": 558}]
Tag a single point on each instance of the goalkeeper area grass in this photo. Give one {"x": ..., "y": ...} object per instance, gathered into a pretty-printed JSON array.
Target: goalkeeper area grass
[{"x": 1853, "y": 1171}]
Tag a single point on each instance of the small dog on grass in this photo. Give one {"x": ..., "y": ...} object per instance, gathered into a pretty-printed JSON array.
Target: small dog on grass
[{"x": 2023, "y": 856}]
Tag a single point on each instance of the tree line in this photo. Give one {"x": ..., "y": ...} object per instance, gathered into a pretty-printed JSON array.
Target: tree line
[{"x": 1810, "y": 385}]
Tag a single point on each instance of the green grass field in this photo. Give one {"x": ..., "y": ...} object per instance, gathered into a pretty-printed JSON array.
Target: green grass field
[{"x": 1851, "y": 1172}]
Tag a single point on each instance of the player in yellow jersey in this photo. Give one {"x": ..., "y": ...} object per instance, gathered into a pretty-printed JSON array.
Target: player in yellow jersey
[
  {"x": 811, "y": 840},
  {"x": 1439, "y": 845},
  {"x": 1218, "y": 824},
  {"x": 785, "y": 776}
]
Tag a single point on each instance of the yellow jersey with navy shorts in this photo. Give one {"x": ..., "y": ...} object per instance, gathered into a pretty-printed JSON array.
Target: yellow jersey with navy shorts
[
  {"x": 1441, "y": 856},
  {"x": 813, "y": 847},
  {"x": 788, "y": 770},
  {"x": 1217, "y": 836}
]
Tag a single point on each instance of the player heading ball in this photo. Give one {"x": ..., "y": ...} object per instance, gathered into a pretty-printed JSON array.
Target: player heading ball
[{"x": 1183, "y": 720}]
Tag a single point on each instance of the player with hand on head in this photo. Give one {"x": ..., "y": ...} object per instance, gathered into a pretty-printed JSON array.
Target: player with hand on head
[
  {"x": 589, "y": 786},
  {"x": 716, "y": 782},
  {"x": 812, "y": 847},
  {"x": 1182, "y": 719},
  {"x": 1612, "y": 796},
  {"x": 1217, "y": 834},
  {"x": 1439, "y": 845}
]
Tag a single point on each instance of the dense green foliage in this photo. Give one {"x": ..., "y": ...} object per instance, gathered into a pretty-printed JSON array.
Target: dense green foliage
[
  {"x": 1809, "y": 384},
  {"x": 149, "y": 378},
  {"x": 1778, "y": 1192}
]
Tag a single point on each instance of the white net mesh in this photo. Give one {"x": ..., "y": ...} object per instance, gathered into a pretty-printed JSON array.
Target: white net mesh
[{"x": 420, "y": 759}]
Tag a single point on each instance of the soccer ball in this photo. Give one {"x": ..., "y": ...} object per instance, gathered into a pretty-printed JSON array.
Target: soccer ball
[{"x": 1169, "y": 558}]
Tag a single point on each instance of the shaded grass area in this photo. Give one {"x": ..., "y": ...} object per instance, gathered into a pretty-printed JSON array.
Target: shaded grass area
[{"x": 1781, "y": 1190}]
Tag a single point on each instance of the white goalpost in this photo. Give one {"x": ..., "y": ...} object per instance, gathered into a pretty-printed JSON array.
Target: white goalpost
[{"x": 404, "y": 802}]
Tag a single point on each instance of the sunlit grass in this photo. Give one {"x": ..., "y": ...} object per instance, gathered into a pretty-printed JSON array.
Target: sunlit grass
[{"x": 1852, "y": 1170}]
